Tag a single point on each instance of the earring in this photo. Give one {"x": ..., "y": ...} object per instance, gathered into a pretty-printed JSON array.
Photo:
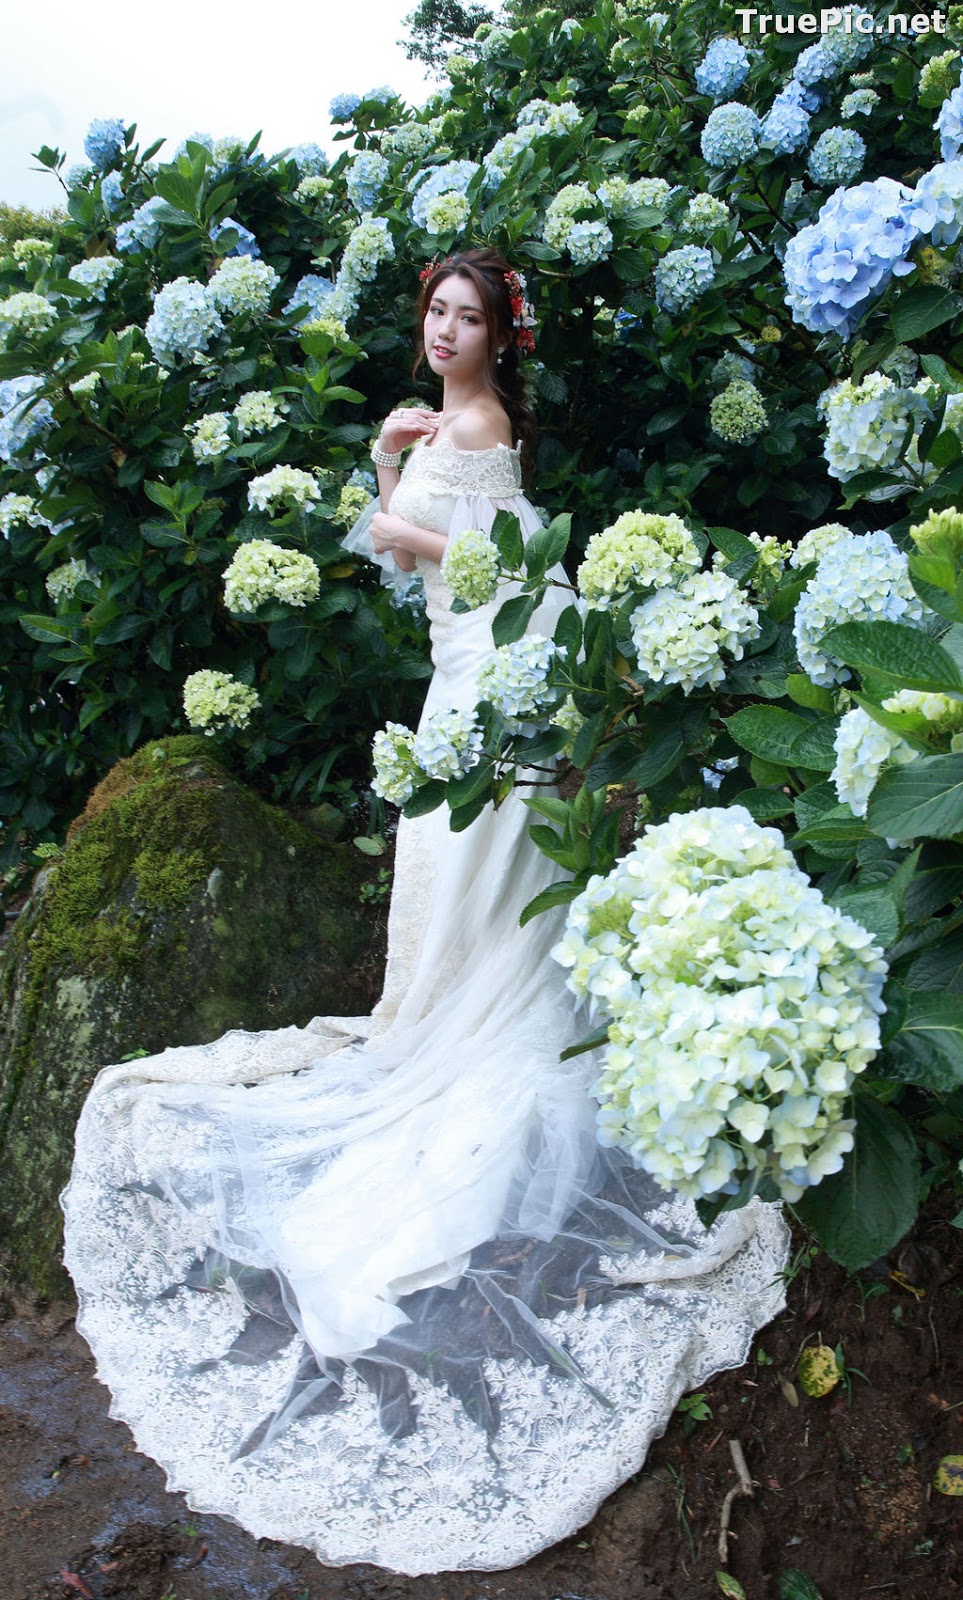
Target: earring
[{"x": 501, "y": 352}]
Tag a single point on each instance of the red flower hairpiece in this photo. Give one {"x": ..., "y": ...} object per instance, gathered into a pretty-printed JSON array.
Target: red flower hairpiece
[{"x": 523, "y": 313}]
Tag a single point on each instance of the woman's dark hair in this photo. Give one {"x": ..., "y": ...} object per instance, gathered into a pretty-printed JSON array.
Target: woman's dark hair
[{"x": 486, "y": 269}]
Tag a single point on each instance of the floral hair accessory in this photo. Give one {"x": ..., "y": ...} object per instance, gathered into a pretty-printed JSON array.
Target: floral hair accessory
[
  {"x": 523, "y": 312},
  {"x": 432, "y": 267}
]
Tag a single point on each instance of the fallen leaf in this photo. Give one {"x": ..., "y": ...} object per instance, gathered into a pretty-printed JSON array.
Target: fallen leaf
[
  {"x": 71, "y": 1580},
  {"x": 948, "y": 1477},
  {"x": 789, "y": 1391}
]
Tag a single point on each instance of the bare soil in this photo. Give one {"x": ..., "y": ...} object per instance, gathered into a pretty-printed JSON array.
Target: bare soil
[{"x": 843, "y": 1485}]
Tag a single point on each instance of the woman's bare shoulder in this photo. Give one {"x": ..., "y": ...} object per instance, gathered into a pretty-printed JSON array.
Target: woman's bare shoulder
[{"x": 480, "y": 426}]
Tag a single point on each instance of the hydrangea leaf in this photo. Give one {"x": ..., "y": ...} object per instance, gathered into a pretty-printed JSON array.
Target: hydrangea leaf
[
  {"x": 767, "y": 731},
  {"x": 906, "y": 655},
  {"x": 928, "y": 1049},
  {"x": 921, "y": 309},
  {"x": 921, "y": 800},
  {"x": 795, "y": 1585},
  {"x": 859, "y": 1213}
]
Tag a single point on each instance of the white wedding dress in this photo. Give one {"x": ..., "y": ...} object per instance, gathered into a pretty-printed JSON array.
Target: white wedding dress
[{"x": 371, "y": 1286}]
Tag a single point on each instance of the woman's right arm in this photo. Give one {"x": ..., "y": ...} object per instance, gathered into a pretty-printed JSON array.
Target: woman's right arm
[{"x": 400, "y": 429}]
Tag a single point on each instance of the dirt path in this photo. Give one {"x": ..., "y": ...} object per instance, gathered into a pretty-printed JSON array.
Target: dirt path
[{"x": 844, "y": 1483}]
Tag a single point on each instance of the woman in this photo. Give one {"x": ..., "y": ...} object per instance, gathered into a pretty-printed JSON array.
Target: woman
[{"x": 370, "y": 1285}]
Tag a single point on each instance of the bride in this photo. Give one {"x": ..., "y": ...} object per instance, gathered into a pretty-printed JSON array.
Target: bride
[{"x": 371, "y": 1285}]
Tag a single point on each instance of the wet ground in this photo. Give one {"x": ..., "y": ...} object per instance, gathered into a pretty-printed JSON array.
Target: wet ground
[{"x": 843, "y": 1485}]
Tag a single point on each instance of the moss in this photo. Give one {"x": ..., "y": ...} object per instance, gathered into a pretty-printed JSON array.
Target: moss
[{"x": 182, "y": 907}]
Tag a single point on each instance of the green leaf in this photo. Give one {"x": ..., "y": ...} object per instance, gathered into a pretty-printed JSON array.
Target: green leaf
[
  {"x": 809, "y": 694},
  {"x": 859, "y": 1213},
  {"x": 741, "y": 555},
  {"x": 661, "y": 755},
  {"x": 923, "y": 799},
  {"x": 512, "y": 618},
  {"x": 905, "y": 655},
  {"x": 814, "y": 748},
  {"x": 767, "y": 731},
  {"x": 177, "y": 190},
  {"x": 557, "y": 894},
  {"x": 462, "y": 817},
  {"x": 794, "y": 1585},
  {"x": 47, "y": 628},
  {"x": 921, "y": 309},
  {"x": 928, "y": 1049},
  {"x": 592, "y": 1042},
  {"x": 874, "y": 909},
  {"x": 507, "y": 536},
  {"x": 428, "y": 798},
  {"x": 765, "y": 804},
  {"x": 730, "y": 1586},
  {"x": 568, "y": 630}
]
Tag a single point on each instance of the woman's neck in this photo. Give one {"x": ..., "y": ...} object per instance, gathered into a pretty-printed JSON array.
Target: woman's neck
[{"x": 459, "y": 393}]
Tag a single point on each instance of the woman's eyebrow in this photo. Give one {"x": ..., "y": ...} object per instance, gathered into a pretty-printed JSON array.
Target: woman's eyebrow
[{"x": 441, "y": 301}]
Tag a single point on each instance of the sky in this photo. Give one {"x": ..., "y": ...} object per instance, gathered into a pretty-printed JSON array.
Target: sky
[{"x": 188, "y": 66}]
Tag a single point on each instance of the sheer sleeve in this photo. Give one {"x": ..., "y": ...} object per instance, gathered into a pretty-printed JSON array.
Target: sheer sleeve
[{"x": 358, "y": 542}]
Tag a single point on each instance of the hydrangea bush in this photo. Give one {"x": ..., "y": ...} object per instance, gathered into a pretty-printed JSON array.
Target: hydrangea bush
[{"x": 748, "y": 379}]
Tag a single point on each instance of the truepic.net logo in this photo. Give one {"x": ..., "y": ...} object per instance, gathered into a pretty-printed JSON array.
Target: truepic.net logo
[{"x": 849, "y": 21}]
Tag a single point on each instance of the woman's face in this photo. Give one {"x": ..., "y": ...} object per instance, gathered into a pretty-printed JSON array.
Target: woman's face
[{"x": 456, "y": 329}]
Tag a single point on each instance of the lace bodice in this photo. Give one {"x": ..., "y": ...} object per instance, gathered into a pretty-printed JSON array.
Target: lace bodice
[{"x": 444, "y": 468}]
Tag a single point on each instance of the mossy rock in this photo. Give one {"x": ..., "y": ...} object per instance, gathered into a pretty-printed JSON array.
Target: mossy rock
[{"x": 182, "y": 906}]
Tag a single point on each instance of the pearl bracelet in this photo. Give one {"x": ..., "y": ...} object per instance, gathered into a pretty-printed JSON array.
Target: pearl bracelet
[{"x": 385, "y": 458}]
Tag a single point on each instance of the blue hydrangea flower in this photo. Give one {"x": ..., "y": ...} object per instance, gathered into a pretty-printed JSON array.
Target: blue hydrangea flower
[
  {"x": 453, "y": 177},
  {"x": 78, "y": 174},
  {"x": 835, "y": 268},
  {"x": 311, "y": 293},
  {"x": 723, "y": 69},
  {"x": 681, "y": 276},
  {"x": 310, "y": 159},
  {"x": 365, "y": 180},
  {"x": 383, "y": 94},
  {"x": 21, "y": 423},
  {"x": 731, "y": 135},
  {"x": 503, "y": 154},
  {"x": 111, "y": 192},
  {"x": 205, "y": 139},
  {"x": 843, "y": 48},
  {"x": 785, "y": 128},
  {"x": 104, "y": 142},
  {"x": 183, "y": 322},
  {"x": 343, "y": 107},
  {"x": 949, "y": 124},
  {"x": 861, "y": 103},
  {"x": 938, "y": 208},
  {"x": 837, "y": 157},
  {"x": 246, "y": 245},
  {"x": 813, "y": 65},
  {"x": 143, "y": 229},
  {"x": 589, "y": 242}
]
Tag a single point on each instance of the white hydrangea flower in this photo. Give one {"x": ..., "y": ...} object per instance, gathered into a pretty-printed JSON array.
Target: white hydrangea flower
[
  {"x": 940, "y": 710},
  {"x": 354, "y": 498},
  {"x": 25, "y": 312},
  {"x": 62, "y": 582},
  {"x": 97, "y": 272},
  {"x": 560, "y": 216},
  {"x": 332, "y": 326},
  {"x": 396, "y": 773},
  {"x": 283, "y": 488},
  {"x": 447, "y": 213},
  {"x": 866, "y": 423},
  {"x": 211, "y": 437},
  {"x": 470, "y": 567},
  {"x": 17, "y": 510},
  {"x": 548, "y": 118},
  {"x": 768, "y": 575},
  {"x": 370, "y": 244},
  {"x": 261, "y": 570},
  {"x": 215, "y": 702},
  {"x": 27, "y": 251},
  {"x": 570, "y": 720},
  {"x": 258, "y": 412},
  {"x": 448, "y": 744},
  {"x": 864, "y": 578},
  {"x": 620, "y": 197},
  {"x": 703, "y": 215},
  {"x": 314, "y": 187},
  {"x": 814, "y": 544},
  {"x": 243, "y": 284},
  {"x": 515, "y": 680},
  {"x": 85, "y": 385},
  {"x": 863, "y": 748},
  {"x": 679, "y": 634},
  {"x": 741, "y": 1007},
  {"x": 640, "y": 550}
]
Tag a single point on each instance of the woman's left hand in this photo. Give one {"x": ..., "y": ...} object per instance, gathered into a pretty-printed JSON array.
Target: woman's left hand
[{"x": 387, "y": 531}]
